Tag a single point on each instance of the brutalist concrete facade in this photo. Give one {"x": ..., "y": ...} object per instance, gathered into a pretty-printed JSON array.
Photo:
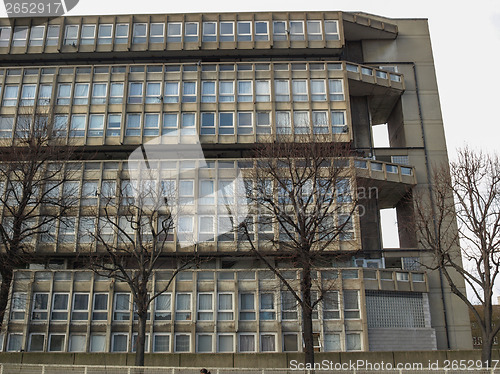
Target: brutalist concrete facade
[{"x": 236, "y": 80}]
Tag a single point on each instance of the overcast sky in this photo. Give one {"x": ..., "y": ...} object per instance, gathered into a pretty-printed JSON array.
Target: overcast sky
[{"x": 465, "y": 39}]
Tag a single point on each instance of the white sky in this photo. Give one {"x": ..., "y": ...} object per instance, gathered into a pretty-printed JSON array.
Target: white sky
[{"x": 466, "y": 44}]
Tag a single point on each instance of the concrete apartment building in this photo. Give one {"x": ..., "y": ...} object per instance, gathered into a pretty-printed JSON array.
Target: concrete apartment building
[{"x": 235, "y": 79}]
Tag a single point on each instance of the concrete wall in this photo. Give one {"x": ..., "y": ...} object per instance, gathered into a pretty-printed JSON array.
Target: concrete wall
[
  {"x": 397, "y": 339},
  {"x": 255, "y": 360}
]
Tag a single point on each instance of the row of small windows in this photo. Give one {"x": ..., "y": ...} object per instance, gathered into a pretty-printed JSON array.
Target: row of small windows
[
  {"x": 184, "y": 124},
  {"x": 176, "y": 32},
  {"x": 265, "y": 306},
  {"x": 297, "y": 90},
  {"x": 187, "y": 68},
  {"x": 182, "y": 342}
]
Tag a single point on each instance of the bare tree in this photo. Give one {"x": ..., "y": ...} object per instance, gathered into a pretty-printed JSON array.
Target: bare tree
[
  {"x": 131, "y": 238},
  {"x": 468, "y": 189},
  {"x": 304, "y": 190},
  {"x": 35, "y": 191}
]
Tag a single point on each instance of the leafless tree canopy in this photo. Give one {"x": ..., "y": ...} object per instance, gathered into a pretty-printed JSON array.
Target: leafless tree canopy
[
  {"x": 36, "y": 193},
  {"x": 305, "y": 190},
  {"x": 469, "y": 188}
]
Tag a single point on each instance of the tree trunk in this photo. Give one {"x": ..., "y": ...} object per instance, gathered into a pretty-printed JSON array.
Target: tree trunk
[
  {"x": 307, "y": 327},
  {"x": 7, "y": 274},
  {"x": 486, "y": 350},
  {"x": 141, "y": 337}
]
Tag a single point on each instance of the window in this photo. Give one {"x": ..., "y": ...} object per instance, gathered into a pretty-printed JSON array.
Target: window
[
  {"x": 134, "y": 342},
  {"x": 351, "y": 304},
  {"x": 288, "y": 306},
  {"x": 18, "y": 306},
  {"x": 89, "y": 193},
  {"x": 140, "y": 33},
  {"x": 205, "y": 307},
  {"x": 314, "y": 30},
  {"x": 77, "y": 343},
  {"x": 347, "y": 232},
  {"x": 153, "y": 92},
  {"x": 191, "y": 32},
  {"x": 320, "y": 122},
  {"x": 174, "y": 32},
  {"x": 301, "y": 123},
  {"x": 99, "y": 91},
  {"x": 171, "y": 92},
  {"x": 263, "y": 123},
  {"x": 96, "y": 125},
  {"x": 77, "y": 126},
  {"x": 226, "y": 32},
  {"x": 209, "y": 31},
  {"x": 247, "y": 306},
  {"x": 121, "y": 307},
  {"x": 331, "y": 30},
  {"x": 163, "y": 307},
  {"x": 247, "y": 343},
  {"x": 36, "y": 343},
  {"x": 245, "y": 123},
  {"x": 183, "y": 306},
  {"x": 80, "y": 310},
  {"x": 63, "y": 94},
  {"x": 67, "y": 230},
  {"x": 44, "y": 94},
  {"x": 186, "y": 193},
  {"x": 151, "y": 124},
  {"x": 279, "y": 30},
  {"x": 245, "y": 93},
  {"x": 188, "y": 124},
  {"x": 19, "y": 36},
  {"x": 5, "y": 36},
  {"x": 10, "y": 95},
  {"x": 188, "y": 92},
  {"x": 207, "y": 193},
  {"x": 336, "y": 90},
  {"x": 208, "y": 92},
  {"x": 81, "y": 95},
  {"x": 36, "y": 36},
  {"x": 262, "y": 91},
  {"x": 28, "y": 94},
  {"x": 299, "y": 88},
  {"x": 135, "y": 93},
  {"x": 60, "y": 303},
  {"x": 52, "y": 35},
  {"x": 225, "y": 307},
  {"x": 207, "y": 123},
  {"x": 226, "y": 123},
  {"x": 282, "y": 90},
  {"x": 244, "y": 31},
  {"x": 121, "y": 36},
  {"x": 56, "y": 342},
  {"x": 182, "y": 342},
  {"x": 100, "y": 307},
  {"x": 332, "y": 343},
  {"x": 261, "y": 31},
  {"x": 297, "y": 30},
  {"x": 88, "y": 35},
  {"x": 97, "y": 343},
  {"x": 318, "y": 90},
  {"x": 6, "y": 126},
  {"x": 331, "y": 305},
  {"x": 283, "y": 125},
  {"x": 290, "y": 343},
  {"x": 338, "y": 122},
  {"x": 119, "y": 342},
  {"x": 204, "y": 343},
  {"x": 267, "y": 342},
  {"x": 161, "y": 342},
  {"x": 133, "y": 125},
  {"x": 71, "y": 35},
  {"x": 105, "y": 34},
  {"x": 267, "y": 306},
  {"x": 226, "y": 91},
  {"x": 116, "y": 93},
  {"x": 14, "y": 342},
  {"x": 170, "y": 124},
  {"x": 156, "y": 33},
  {"x": 353, "y": 342}
]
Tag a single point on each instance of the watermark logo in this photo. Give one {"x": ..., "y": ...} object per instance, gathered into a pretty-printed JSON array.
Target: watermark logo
[
  {"x": 38, "y": 8},
  {"x": 204, "y": 202}
]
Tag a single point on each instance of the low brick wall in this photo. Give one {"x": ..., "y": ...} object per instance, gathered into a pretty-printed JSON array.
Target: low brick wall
[{"x": 239, "y": 360}]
